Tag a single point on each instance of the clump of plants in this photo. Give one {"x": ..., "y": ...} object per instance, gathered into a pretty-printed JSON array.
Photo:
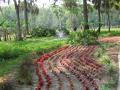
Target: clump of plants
[
  {"x": 86, "y": 37},
  {"x": 43, "y": 32},
  {"x": 108, "y": 85},
  {"x": 99, "y": 52},
  {"x": 25, "y": 71},
  {"x": 105, "y": 60},
  {"x": 7, "y": 85}
]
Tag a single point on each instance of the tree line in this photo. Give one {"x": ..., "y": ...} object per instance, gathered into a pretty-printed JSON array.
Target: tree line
[{"x": 79, "y": 10}]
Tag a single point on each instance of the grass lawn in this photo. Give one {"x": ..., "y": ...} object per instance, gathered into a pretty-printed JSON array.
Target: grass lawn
[
  {"x": 114, "y": 32},
  {"x": 11, "y": 52}
]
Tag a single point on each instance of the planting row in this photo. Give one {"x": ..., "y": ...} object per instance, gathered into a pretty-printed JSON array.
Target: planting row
[{"x": 76, "y": 60}]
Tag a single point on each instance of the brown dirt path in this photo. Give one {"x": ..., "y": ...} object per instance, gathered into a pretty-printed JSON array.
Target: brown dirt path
[{"x": 110, "y": 39}]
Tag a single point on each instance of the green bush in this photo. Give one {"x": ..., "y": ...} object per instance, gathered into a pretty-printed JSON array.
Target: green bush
[
  {"x": 105, "y": 60},
  {"x": 111, "y": 69},
  {"x": 98, "y": 53},
  {"x": 104, "y": 87},
  {"x": 72, "y": 38},
  {"x": 43, "y": 32},
  {"x": 109, "y": 85},
  {"x": 86, "y": 37}
]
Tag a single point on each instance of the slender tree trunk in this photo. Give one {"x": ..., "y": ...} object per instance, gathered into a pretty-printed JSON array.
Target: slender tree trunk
[
  {"x": 99, "y": 16},
  {"x": 26, "y": 16},
  {"x": 85, "y": 12},
  {"x": 109, "y": 23},
  {"x": 19, "y": 34},
  {"x": 5, "y": 35},
  {"x": 0, "y": 38}
]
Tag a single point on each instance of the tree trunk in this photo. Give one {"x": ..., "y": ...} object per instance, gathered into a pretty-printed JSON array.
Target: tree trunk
[
  {"x": 109, "y": 23},
  {"x": 26, "y": 16},
  {"x": 99, "y": 16},
  {"x": 5, "y": 35},
  {"x": 19, "y": 34},
  {"x": 0, "y": 38},
  {"x": 85, "y": 12}
]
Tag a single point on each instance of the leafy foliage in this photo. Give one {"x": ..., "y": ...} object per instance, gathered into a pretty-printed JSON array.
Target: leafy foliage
[
  {"x": 82, "y": 37},
  {"x": 43, "y": 32}
]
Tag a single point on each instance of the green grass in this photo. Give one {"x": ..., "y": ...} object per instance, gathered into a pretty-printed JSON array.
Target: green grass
[
  {"x": 111, "y": 69},
  {"x": 11, "y": 52},
  {"x": 9, "y": 65},
  {"x": 114, "y": 32}
]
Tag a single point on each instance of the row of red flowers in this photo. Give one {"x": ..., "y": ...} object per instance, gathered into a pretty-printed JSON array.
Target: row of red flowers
[
  {"x": 83, "y": 58},
  {"x": 39, "y": 62},
  {"x": 81, "y": 75}
]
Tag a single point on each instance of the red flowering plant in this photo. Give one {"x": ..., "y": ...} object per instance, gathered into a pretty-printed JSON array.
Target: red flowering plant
[
  {"x": 39, "y": 62},
  {"x": 80, "y": 74}
]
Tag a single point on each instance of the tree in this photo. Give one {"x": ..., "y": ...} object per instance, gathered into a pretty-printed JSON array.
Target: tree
[
  {"x": 17, "y": 5},
  {"x": 26, "y": 16},
  {"x": 97, "y": 4},
  {"x": 72, "y": 6},
  {"x": 28, "y": 7},
  {"x": 85, "y": 13},
  {"x": 107, "y": 6}
]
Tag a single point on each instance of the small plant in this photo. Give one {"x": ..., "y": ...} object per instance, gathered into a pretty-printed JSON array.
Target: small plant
[
  {"x": 99, "y": 52},
  {"x": 105, "y": 60},
  {"x": 72, "y": 38},
  {"x": 103, "y": 87},
  {"x": 25, "y": 71},
  {"x": 111, "y": 69},
  {"x": 110, "y": 84}
]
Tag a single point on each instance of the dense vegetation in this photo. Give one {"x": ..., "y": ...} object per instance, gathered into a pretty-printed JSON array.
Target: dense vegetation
[{"x": 45, "y": 21}]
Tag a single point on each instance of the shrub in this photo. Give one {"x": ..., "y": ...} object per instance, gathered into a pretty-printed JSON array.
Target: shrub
[
  {"x": 110, "y": 84},
  {"x": 105, "y": 60},
  {"x": 24, "y": 75},
  {"x": 43, "y": 32},
  {"x": 86, "y": 37},
  {"x": 72, "y": 38},
  {"x": 111, "y": 69},
  {"x": 99, "y": 52},
  {"x": 104, "y": 87}
]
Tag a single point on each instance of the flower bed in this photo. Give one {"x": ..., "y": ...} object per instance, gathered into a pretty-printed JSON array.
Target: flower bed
[
  {"x": 39, "y": 62},
  {"x": 77, "y": 60}
]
